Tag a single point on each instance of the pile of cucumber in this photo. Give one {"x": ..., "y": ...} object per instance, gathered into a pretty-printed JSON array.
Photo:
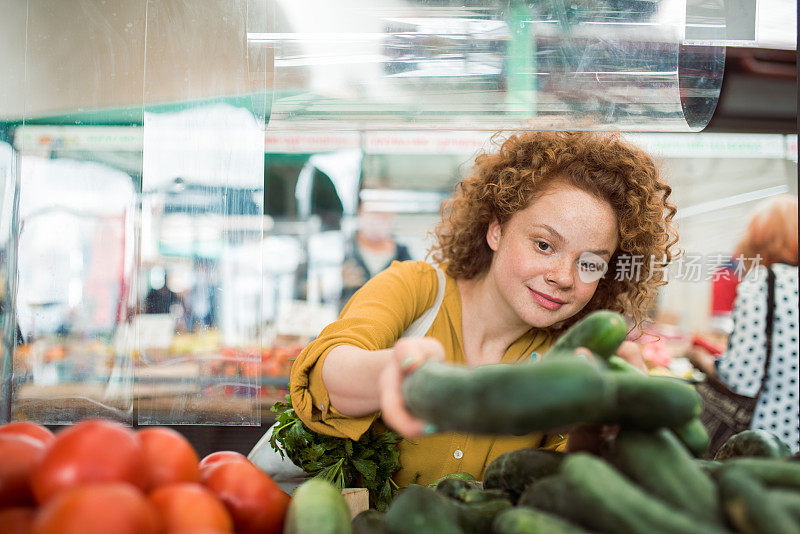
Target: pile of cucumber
[{"x": 648, "y": 479}]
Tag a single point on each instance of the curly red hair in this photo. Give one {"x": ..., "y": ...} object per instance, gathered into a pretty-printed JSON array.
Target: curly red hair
[
  {"x": 771, "y": 233},
  {"x": 602, "y": 164}
]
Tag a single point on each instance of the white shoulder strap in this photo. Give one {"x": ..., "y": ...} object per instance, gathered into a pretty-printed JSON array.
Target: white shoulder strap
[{"x": 423, "y": 323}]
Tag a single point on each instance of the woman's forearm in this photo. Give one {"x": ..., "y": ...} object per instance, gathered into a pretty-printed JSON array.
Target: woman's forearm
[{"x": 351, "y": 376}]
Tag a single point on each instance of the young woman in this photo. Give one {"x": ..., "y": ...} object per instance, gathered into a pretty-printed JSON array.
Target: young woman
[{"x": 511, "y": 245}]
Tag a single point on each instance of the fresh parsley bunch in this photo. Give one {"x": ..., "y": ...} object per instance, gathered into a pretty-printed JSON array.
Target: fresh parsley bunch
[{"x": 369, "y": 462}]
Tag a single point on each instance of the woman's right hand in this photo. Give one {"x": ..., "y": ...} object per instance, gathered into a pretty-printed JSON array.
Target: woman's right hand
[{"x": 407, "y": 355}]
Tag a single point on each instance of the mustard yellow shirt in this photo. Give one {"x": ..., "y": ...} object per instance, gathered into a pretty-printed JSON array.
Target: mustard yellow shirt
[{"x": 374, "y": 319}]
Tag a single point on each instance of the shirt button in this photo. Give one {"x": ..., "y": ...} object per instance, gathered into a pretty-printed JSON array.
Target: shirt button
[{"x": 458, "y": 454}]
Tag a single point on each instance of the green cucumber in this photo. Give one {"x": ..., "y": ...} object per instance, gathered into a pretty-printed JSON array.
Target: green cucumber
[
  {"x": 552, "y": 494},
  {"x": 508, "y": 399},
  {"x": 648, "y": 402},
  {"x": 473, "y": 495},
  {"x": 605, "y": 500},
  {"x": 420, "y": 510},
  {"x": 658, "y": 462},
  {"x": 522, "y": 520},
  {"x": 621, "y": 365},
  {"x": 709, "y": 466},
  {"x": 602, "y": 332},
  {"x": 789, "y": 500},
  {"x": 369, "y": 522},
  {"x": 455, "y": 488},
  {"x": 457, "y": 476},
  {"x": 477, "y": 517},
  {"x": 516, "y": 470},
  {"x": 317, "y": 507},
  {"x": 770, "y": 472},
  {"x": 694, "y": 436},
  {"x": 749, "y": 507},
  {"x": 755, "y": 443}
]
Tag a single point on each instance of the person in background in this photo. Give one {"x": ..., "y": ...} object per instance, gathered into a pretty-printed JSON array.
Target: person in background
[
  {"x": 372, "y": 249},
  {"x": 511, "y": 249},
  {"x": 160, "y": 298},
  {"x": 769, "y": 242}
]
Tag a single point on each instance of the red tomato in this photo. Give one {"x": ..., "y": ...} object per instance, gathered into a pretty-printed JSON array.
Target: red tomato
[
  {"x": 19, "y": 457},
  {"x": 187, "y": 504},
  {"x": 197, "y": 530},
  {"x": 17, "y": 520},
  {"x": 90, "y": 451},
  {"x": 27, "y": 428},
  {"x": 255, "y": 501},
  {"x": 168, "y": 457},
  {"x": 98, "y": 509},
  {"x": 220, "y": 457}
]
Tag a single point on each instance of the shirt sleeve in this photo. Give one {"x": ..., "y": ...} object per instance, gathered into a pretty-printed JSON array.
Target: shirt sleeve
[
  {"x": 374, "y": 318},
  {"x": 741, "y": 368},
  {"x": 554, "y": 442}
]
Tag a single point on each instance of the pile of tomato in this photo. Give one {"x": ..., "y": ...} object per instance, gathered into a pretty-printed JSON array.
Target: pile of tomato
[{"x": 99, "y": 476}]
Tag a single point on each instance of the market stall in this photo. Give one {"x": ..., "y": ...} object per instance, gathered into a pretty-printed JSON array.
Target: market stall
[{"x": 194, "y": 196}]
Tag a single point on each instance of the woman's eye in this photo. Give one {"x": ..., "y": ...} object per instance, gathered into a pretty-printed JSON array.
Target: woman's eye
[{"x": 544, "y": 247}]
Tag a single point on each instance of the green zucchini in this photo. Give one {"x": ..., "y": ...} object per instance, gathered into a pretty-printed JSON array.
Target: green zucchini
[
  {"x": 508, "y": 399},
  {"x": 756, "y": 443},
  {"x": 770, "y": 472},
  {"x": 658, "y": 462},
  {"x": 694, "y": 436},
  {"x": 369, "y": 522},
  {"x": 317, "y": 507},
  {"x": 522, "y": 520},
  {"x": 749, "y": 507},
  {"x": 602, "y": 332},
  {"x": 516, "y": 470},
  {"x": 648, "y": 402},
  {"x": 605, "y": 500},
  {"x": 420, "y": 510}
]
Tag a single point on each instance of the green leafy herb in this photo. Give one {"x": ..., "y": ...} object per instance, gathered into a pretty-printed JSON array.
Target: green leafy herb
[{"x": 369, "y": 462}]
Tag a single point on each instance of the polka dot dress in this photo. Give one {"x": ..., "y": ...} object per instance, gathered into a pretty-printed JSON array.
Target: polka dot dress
[{"x": 742, "y": 366}]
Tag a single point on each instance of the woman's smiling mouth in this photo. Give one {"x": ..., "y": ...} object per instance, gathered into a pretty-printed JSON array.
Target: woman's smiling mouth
[{"x": 546, "y": 301}]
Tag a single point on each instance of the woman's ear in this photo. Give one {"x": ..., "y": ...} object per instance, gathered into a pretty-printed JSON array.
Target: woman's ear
[{"x": 493, "y": 234}]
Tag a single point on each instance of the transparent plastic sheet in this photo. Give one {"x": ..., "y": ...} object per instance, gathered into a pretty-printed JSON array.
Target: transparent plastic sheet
[
  {"x": 75, "y": 229},
  {"x": 12, "y": 55},
  {"x": 200, "y": 281},
  {"x": 382, "y": 64}
]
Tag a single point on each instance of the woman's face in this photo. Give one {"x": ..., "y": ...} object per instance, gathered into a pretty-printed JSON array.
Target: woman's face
[{"x": 547, "y": 256}]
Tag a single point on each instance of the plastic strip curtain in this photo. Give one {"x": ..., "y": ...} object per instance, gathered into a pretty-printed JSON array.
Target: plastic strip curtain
[
  {"x": 198, "y": 336},
  {"x": 74, "y": 226},
  {"x": 551, "y": 64}
]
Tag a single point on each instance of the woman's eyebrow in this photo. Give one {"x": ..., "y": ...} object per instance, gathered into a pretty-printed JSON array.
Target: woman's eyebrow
[
  {"x": 551, "y": 230},
  {"x": 561, "y": 238}
]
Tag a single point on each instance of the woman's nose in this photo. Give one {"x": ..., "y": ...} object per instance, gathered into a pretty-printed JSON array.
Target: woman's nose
[{"x": 560, "y": 274}]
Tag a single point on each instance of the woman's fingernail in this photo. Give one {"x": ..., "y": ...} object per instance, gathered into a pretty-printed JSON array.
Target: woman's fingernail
[
  {"x": 408, "y": 362},
  {"x": 429, "y": 429}
]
